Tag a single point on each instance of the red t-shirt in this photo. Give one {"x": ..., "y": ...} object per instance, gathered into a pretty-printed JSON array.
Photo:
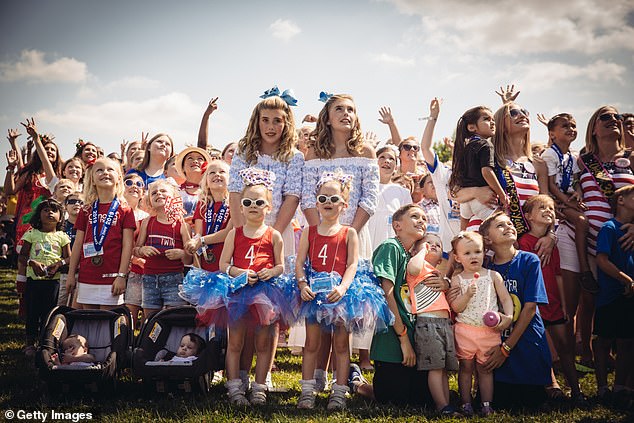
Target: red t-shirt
[
  {"x": 551, "y": 311},
  {"x": 112, "y": 246},
  {"x": 163, "y": 237},
  {"x": 328, "y": 253},
  {"x": 213, "y": 250},
  {"x": 253, "y": 253},
  {"x": 137, "y": 263}
]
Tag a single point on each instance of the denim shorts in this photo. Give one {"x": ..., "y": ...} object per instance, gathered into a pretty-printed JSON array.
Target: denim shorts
[
  {"x": 162, "y": 291},
  {"x": 134, "y": 289}
]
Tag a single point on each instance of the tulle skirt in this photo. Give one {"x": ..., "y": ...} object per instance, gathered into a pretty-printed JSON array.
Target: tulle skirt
[
  {"x": 261, "y": 304},
  {"x": 363, "y": 308}
]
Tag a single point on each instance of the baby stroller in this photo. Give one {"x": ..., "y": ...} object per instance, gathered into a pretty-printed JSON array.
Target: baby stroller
[
  {"x": 109, "y": 337},
  {"x": 163, "y": 331}
]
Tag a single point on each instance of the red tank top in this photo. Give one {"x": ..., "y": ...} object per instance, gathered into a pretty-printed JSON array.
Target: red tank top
[
  {"x": 253, "y": 253},
  {"x": 328, "y": 253},
  {"x": 163, "y": 236}
]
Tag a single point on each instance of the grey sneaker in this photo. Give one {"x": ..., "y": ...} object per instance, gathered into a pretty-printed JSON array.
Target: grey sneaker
[
  {"x": 337, "y": 400},
  {"x": 307, "y": 397},
  {"x": 258, "y": 394}
]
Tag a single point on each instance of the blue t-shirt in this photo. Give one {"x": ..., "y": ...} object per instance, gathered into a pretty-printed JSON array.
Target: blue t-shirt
[
  {"x": 611, "y": 289},
  {"x": 147, "y": 180},
  {"x": 529, "y": 363}
]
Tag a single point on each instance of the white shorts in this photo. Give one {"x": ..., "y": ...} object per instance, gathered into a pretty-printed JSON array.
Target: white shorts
[
  {"x": 568, "y": 257},
  {"x": 97, "y": 295},
  {"x": 475, "y": 208}
]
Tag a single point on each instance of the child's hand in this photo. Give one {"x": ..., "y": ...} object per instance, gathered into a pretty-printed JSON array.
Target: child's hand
[
  {"x": 265, "y": 274},
  {"x": 55, "y": 359},
  {"x": 504, "y": 200},
  {"x": 31, "y": 128},
  {"x": 409, "y": 356},
  {"x": 38, "y": 268},
  {"x": 193, "y": 245},
  {"x": 307, "y": 294},
  {"x": 174, "y": 253},
  {"x": 53, "y": 268},
  {"x": 212, "y": 106},
  {"x": 434, "y": 108},
  {"x": 505, "y": 322},
  {"x": 252, "y": 277},
  {"x": 386, "y": 115},
  {"x": 147, "y": 251},
  {"x": 471, "y": 289},
  {"x": 336, "y": 294}
]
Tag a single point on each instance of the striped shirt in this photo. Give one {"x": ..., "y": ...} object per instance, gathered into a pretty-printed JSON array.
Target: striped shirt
[{"x": 599, "y": 210}]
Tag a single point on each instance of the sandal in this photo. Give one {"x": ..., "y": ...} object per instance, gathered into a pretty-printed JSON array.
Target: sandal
[{"x": 588, "y": 282}]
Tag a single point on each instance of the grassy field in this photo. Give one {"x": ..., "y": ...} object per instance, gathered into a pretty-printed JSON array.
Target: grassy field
[{"x": 20, "y": 389}]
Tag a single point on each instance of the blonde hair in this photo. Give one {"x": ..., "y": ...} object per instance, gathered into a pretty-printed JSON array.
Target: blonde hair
[
  {"x": 90, "y": 190},
  {"x": 249, "y": 145},
  {"x": 469, "y": 236},
  {"x": 323, "y": 142},
  {"x": 592, "y": 145},
  {"x": 205, "y": 197},
  {"x": 500, "y": 139},
  {"x": 146, "y": 158},
  {"x": 344, "y": 188},
  {"x": 160, "y": 182}
]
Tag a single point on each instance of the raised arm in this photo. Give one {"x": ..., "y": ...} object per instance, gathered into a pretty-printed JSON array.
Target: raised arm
[
  {"x": 13, "y": 137},
  {"x": 507, "y": 95},
  {"x": 203, "y": 134},
  {"x": 428, "y": 133},
  {"x": 388, "y": 119},
  {"x": 31, "y": 129}
]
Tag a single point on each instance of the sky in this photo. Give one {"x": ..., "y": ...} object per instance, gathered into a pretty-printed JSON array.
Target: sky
[{"x": 104, "y": 71}]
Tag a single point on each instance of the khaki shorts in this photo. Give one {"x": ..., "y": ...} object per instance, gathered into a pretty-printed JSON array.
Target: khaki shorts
[{"x": 434, "y": 344}]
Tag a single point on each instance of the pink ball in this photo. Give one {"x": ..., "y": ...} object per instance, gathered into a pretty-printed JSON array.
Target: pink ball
[{"x": 491, "y": 319}]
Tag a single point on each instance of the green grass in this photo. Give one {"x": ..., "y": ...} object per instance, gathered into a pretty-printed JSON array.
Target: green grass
[{"x": 20, "y": 388}]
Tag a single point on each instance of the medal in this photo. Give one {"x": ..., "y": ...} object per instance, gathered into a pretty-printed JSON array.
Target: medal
[
  {"x": 97, "y": 260},
  {"x": 209, "y": 255}
]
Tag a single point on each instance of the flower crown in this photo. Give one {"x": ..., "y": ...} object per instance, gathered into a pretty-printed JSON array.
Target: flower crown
[
  {"x": 343, "y": 178},
  {"x": 252, "y": 176}
]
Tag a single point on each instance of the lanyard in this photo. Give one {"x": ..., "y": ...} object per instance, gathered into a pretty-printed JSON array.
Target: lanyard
[
  {"x": 567, "y": 169},
  {"x": 98, "y": 240},
  {"x": 214, "y": 223}
]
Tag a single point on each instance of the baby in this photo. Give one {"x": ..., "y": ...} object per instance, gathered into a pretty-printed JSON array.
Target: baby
[
  {"x": 190, "y": 346},
  {"x": 75, "y": 352}
]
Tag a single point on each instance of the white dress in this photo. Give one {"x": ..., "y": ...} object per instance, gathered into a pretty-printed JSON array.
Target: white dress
[{"x": 391, "y": 197}]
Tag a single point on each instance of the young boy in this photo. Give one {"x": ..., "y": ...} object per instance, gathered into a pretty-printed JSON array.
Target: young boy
[
  {"x": 396, "y": 379},
  {"x": 522, "y": 363},
  {"x": 614, "y": 315}
]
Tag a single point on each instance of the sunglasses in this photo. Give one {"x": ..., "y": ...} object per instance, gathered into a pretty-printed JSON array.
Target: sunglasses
[
  {"x": 247, "y": 202},
  {"x": 323, "y": 199},
  {"x": 75, "y": 201},
  {"x": 609, "y": 116},
  {"x": 515, "y": 112},
  {"x": 130, "y": 182},
  {"x": 408, "y": 147}
]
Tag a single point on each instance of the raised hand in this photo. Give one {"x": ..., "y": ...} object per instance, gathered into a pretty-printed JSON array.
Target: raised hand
[
  {"x": 371, "y": 138},
  {"x": 309, "y": 118},
  {"x": 212, "y": 106},
  {"x": 13, "y": 135},
  {"x": 30, "y": 126},
  {"x": 386, "y": 115},
  {"x": 12, "y": 159},
  {"x": 542, "y": 119},
  {"x": 124, "y": 145},
  {"x": 144, "y": 139},
  {"x": 508, "y": 95},
  {"x": 434, "y": 108}
]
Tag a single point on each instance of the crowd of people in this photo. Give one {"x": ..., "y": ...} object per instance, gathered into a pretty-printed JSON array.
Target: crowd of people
[{"x": 500, "y": 264}]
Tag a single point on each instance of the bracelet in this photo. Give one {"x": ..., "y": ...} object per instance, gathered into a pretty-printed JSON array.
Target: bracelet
[
  {"x": 228, "y": 269},
  {"x": 202, "y": 241},
  {"x": 62, "y": 262},
  {"x": 114, "y": 275},
  {"x": 28, "y": 262},
  {"x": 20, "y": 278},
  {"x": 432, "y": 118},
  {"x": 504, "y": 352},
  {"x": 400, "y": 335},
  {"x": 302, "y": 279},
  {"x": 506, "y": 347}
]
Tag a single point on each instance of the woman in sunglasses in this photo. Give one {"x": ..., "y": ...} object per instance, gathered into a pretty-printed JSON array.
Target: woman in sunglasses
[{"x": 134, "y": 191}]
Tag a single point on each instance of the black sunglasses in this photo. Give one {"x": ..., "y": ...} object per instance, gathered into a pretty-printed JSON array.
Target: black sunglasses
[
  {"x": 516, "y": 112},
  {"x": 75, "y": 201},
  {"x": 608, "y": 116},
  {"x": 247, "y": 202},
  {"x": 323, "y": 199},
  {"x": 408, "y": 147}
]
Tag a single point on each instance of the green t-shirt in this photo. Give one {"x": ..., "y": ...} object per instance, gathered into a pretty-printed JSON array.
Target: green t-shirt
[
  {"x": 46, "y": 248},
  {"x": 390, "y": 262}
]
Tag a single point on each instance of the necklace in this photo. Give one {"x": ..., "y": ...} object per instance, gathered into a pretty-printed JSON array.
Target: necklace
[{"x": 403, "y": 247}]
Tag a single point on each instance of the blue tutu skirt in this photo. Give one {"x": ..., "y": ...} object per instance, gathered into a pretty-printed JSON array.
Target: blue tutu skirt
[
  {"x": 262, "y": 304},
  {"x": 361, "y": 309}
]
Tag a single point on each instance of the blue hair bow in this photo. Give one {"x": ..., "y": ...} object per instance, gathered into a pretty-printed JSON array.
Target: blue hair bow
[
  {"x": 324, "y": 96},
  {"x": 287, "y": 95}
]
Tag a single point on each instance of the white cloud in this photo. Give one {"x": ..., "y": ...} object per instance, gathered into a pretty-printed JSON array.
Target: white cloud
[
  {"x": 513, "y": 28},
  {"x": 284, "y": 29},
  {"x": 544, "y": 75},
  {"x": 33, "y": 67},
  {"x": 391, "y": 59},
  {"x": 133, "y": 82}
]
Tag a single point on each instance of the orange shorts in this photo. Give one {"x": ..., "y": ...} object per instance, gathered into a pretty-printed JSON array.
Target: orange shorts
[{"x": 475, "y": 341}]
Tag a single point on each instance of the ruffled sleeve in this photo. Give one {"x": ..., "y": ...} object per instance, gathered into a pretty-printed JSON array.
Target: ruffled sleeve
[
  {"x": 369, "y": 188},
  {"x": 235, "y": 181},
  {"x": 293, "y": 182},
  {"x": 310, "y": 177}
]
